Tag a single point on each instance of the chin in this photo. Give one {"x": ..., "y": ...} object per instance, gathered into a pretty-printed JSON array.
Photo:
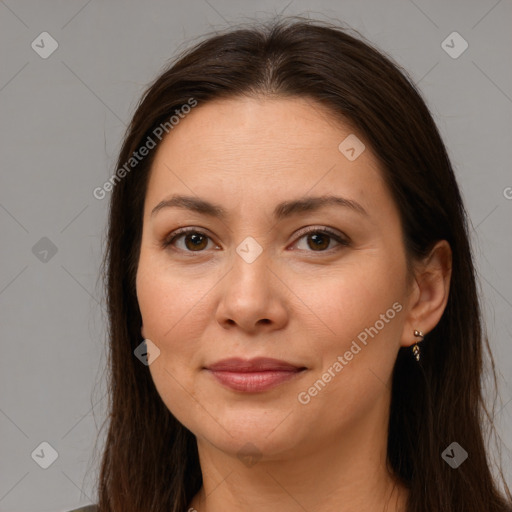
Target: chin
[
  {"x": 253, "y": 446},
  {"x": 251, "y": 434}
]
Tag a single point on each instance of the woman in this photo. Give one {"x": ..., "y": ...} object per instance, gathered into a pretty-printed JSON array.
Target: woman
[{"x": 294, "y": 320}]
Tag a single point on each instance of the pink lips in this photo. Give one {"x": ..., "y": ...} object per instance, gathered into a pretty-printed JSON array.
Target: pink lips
[{"x": 253, "y": 375}]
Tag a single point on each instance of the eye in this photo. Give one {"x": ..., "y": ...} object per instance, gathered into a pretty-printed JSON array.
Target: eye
[
  {"x": 319, "y": 239},
  {"x": 193, "y": 240}
]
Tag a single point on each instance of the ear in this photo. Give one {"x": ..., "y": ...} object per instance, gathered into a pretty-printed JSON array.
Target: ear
[
  {"x": 429, "y": 292},
  {"x": 142, "y": 331}
]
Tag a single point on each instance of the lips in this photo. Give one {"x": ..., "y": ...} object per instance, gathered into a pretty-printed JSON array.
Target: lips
[
  {"x": 258, "y": 364},
  {"x": 254, "y": 375}
]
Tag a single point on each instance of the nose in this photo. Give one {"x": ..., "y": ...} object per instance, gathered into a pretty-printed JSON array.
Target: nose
[{"x": 252, "y": 297}]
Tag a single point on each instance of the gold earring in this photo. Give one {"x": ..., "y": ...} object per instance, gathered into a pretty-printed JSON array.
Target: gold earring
[{"x": 416, "y": 348}]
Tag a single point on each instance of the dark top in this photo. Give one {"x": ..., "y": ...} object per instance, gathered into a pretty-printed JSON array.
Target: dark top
[{"x": 86, "y": 508}]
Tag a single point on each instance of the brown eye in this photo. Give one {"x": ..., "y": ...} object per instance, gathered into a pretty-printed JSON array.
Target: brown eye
[
  {"x": 318, "y": 241},
  {"x": 194, "y": 241}
]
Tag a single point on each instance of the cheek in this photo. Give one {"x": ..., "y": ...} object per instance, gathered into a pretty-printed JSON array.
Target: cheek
[
  {"x": 361, "y": 312},
  {"x": 357, "y": 339},
  {"x": 168, "y": 300},
  {"x": 172, "y": 314},
  {"x": 352, "y": 298}
]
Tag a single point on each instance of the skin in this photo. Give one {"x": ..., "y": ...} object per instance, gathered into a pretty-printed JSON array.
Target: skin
[{"x": 301, "y": 300}]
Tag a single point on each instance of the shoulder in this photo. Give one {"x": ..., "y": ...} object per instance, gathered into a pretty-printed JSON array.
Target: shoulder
[{"x": 87, "y": 508}]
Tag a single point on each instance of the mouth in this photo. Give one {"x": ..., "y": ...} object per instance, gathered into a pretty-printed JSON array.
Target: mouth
[{"x": 254, "y": 375}]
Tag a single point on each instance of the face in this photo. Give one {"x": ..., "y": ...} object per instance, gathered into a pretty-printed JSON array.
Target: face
[{"x": 321, "y": 286}]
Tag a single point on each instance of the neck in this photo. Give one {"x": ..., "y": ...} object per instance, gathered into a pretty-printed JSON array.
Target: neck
[{"x": 329, "y": 476}]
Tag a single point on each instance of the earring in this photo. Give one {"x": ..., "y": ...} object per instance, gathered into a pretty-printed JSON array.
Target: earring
[{"x": 416, "y": 348}]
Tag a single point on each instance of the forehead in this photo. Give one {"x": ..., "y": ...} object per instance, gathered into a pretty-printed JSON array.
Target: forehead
[
  {"x": 258, "y": 148},
  {"x": 261, "y": 124}
]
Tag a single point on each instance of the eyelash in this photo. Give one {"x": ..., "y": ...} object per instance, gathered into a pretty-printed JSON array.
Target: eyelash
[{"x": 344, "y": 242}]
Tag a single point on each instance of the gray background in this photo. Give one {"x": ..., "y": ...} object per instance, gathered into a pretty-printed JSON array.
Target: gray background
[{"x": 62, "y": 119}]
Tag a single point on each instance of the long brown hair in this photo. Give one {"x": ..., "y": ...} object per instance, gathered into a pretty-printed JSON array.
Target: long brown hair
[{"x": 150, "y": 461}]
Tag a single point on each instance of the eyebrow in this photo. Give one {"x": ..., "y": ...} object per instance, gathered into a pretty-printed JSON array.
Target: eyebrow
[{"x": 281, "y": 211}]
